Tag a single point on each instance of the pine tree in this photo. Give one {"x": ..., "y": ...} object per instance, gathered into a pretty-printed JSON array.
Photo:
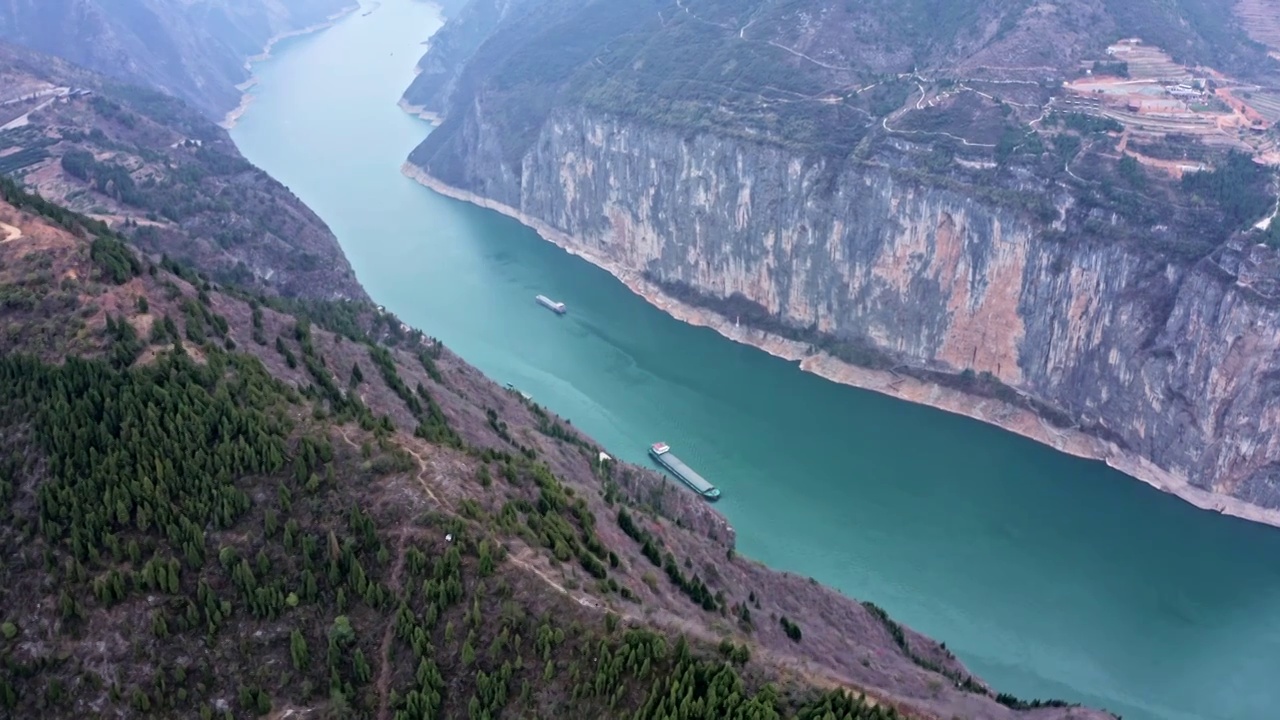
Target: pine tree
[
  {"x": 298, "y": 650},
  {"x": 468, "y": 653}
]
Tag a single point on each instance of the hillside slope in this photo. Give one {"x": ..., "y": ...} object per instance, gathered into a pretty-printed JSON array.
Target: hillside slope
[
  {"x": 452, "y": 46},
  {"x": 193, "y": 49},
  {"x": 1051, "y": 217},
  {"x": 156, "y": 169},
  {"x": 792, "y": 73},
  {"x": 234, "y": 506}
]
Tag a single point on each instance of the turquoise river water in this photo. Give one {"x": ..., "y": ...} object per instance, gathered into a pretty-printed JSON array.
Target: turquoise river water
[{"x": 1050, "y": 576}]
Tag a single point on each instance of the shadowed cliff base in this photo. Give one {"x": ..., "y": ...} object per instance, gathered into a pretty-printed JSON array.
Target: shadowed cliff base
[{"x": 915, "y": 385}]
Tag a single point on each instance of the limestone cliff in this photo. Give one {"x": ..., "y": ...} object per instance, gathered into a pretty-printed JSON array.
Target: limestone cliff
[
  {"x": 1167, "y": 369},
  {"x": 439, "y": 70}
]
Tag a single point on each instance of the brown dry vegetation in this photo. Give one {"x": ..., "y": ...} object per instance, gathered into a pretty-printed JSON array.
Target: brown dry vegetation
[
  {"x": 414, "y": 491},
  {"x": 155, "y": 169},
  {"x": 1261, "y": 20}
]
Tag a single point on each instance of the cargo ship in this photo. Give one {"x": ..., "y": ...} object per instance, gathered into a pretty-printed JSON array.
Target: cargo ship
[
  {"x": 555, "y": 307},
  {"x": 661, "y": 452}
]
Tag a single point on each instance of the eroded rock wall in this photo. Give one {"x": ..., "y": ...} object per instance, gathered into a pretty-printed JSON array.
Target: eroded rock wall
[{"x": 1174, "y": 364}]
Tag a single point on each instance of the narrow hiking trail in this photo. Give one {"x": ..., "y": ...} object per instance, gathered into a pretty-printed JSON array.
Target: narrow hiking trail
[
  {"x": 423, "y": 467},
  {"x": 395, "y": 581},
  {"x": 389, "y": 635},
  {"x": 527, "y": 559},
  {"x": 522, "y": 558}
]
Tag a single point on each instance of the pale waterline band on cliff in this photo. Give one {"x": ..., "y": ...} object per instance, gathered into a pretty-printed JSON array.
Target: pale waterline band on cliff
[{"x": 994, "y": 412}]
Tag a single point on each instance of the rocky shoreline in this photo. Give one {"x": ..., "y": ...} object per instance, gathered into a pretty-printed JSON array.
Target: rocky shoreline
[
  {"x": 420, "y": 112},
  {"x": 1003, "y": 415},
  {"x": 229, "y": 121}
]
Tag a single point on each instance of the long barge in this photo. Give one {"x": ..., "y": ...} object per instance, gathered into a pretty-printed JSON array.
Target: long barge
[
  {"x": 555, "y": 307},
  {"x": 661, "y": 453}
]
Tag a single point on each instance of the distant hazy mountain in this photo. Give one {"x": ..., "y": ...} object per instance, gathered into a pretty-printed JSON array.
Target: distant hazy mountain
[
  {"x": 192, "y": 49},
  {"x": 155, "y": 169}
]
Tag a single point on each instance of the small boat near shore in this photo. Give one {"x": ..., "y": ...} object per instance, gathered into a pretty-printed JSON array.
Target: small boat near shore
[{"x": 523, "y": 394}]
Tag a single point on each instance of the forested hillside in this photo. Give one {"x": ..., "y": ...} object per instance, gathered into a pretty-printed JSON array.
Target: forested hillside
[
  {"x": 215, "y": 504},
  {"x": 157, "y": 170},
  {"x": 969, "y": 94},
  {"x": 223, "y": 505},
  {"x": 758, "y": 68}
]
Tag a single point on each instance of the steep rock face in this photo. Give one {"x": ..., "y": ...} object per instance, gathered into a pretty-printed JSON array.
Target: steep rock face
[
  {"x": 451, "y": 47},
  {"x": 1172, "y": 364}
]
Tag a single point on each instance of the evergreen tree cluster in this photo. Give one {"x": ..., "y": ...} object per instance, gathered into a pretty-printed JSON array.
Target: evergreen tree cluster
[
  {"x": 143, "y": 470},
  {"x": 13, "y": 193},
  {"x": 155, "y": 479},
  {"x": 546, "y": 666},
  {"x": 117, "y": 262},
  {"x": 432, "y": 423},
  {"x": 155, "y": 448},
  {"x": 692, "y": 587},
  {"x": 1238, "y": 188},
  {"x": 108, "y": 178},
  {"x": 963, "y": 681},
  {"x": 208, "y": 510},
  {"x": 552, "y": 428}
]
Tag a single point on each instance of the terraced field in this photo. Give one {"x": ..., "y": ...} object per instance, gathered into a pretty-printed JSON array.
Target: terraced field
[
  {"x": 1267, "y": 103},
  {"x": 1152, "y": 63},
  {"x": 1261, "y": 20}
]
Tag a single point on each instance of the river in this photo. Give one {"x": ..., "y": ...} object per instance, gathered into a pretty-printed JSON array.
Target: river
[{"x": 1050, "y": 576}]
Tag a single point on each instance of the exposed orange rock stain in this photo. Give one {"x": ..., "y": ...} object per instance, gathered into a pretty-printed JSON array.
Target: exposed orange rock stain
[
  {"x": 985, "y": 329},
  {"x": 897, "y": 263},
  {"x": 1232, "y": 462}
]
